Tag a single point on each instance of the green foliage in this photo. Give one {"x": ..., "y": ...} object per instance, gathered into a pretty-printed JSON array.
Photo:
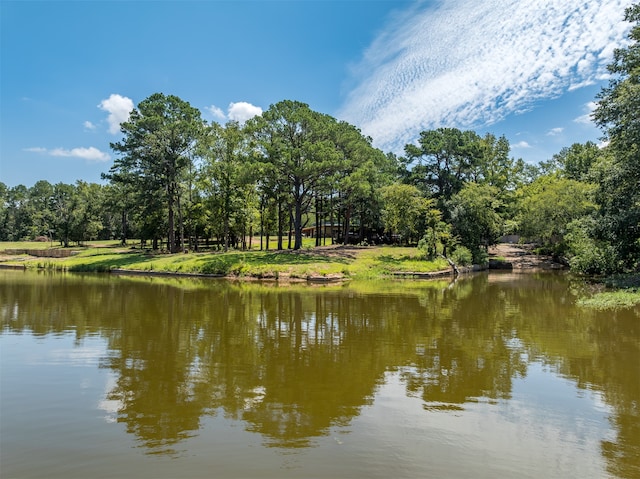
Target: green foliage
[
  {"x": 588, "y": 255},
  {"x": 404, "y": 209},
  {"x": 572, "y": 162},
  {"x": 618, "y": 175},
  {"x": 362, "y": 171},
  {"x": 476, "y": 218},
  {"x": 611, "y": 300},
  {"x": 297, "y": 151},
  {"x": 617, "y": 110},
  {"x": 462, "y": 256},
  {"x": 577, "y": 160},
  {"x": 226, "y": 177},
  {"x": 549, "y": 204},
  {"x": 437, "y": 237},
  {"x": 159, "y": 140},
  {"x": 444, "y": 160}
]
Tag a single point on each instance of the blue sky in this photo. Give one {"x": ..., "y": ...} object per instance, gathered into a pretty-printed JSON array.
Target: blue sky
[{"x": 70, "y": 71}]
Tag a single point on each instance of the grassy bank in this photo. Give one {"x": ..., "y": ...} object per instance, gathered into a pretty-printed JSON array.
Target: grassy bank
[
  {"x": 308, "y": 263},
  {"x": 620, "y": 292},
  {"x": 611, "y": 300}
]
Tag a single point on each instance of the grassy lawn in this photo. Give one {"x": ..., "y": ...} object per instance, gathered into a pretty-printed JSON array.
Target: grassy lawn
[
  {"x": 309, "y": 262},
  {"x": 9, "y": 245}
]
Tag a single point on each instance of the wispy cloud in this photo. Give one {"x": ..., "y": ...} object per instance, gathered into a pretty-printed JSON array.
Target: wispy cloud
[
  {"x": 90, "y": 154},
  {"x": 216, "y": 112},
  {"x": 119, "y": 108},
  {"x": 468, "y": 64},
  {"x": 240, "y": 112},
  {"x": 586, "y": 118},
  {"x": 89, "y": 126},
  {"x": 555, "y": 131},
  {"x": 521, "y": 144}
]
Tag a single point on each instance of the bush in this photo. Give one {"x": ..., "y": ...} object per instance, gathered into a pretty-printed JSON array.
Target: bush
[
  {"x": 461, "y": 256},
  {"x": 588, "y": 255},
  {"x": 596, "y": 259}
]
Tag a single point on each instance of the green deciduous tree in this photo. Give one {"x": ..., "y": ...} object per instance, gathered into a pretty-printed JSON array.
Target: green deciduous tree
[
  {"x": 618, "y": 175},
  {"x": 549, "y": 204},
  {"x": 437, "y": 234},
  {"x": 575, "y": 162},
  {"x": 405, "y": 209},
  {"x": 476, "y": 218}
]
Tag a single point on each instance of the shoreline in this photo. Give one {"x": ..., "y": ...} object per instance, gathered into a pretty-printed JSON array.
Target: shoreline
[{"x": 329, "y": 264}]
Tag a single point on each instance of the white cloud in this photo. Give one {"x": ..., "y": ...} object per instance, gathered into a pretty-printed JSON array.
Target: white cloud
[
  {"x": 89, "y": 154},
  {"x": 466, "y": 63},
  {"x": 586, "y": 118},
  {"x": 216, "y": 112},
  {"x": 521, "y": 144},
  {"x": 555, "y": 131},
  {"x": 89, "y": 126},
  {"x": 119, "y": 108},
  {"x": 243, "y": 111},
  {"x": 240, "y": 112}
]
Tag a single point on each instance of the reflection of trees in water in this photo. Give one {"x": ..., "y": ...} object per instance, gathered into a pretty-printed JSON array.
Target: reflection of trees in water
[{"x": 292, "y": 362}]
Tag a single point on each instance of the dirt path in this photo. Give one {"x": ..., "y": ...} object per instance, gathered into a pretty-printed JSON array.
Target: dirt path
[{"x": 521, "y": 257}]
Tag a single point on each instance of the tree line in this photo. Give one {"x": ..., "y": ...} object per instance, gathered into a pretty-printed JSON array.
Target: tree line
[{"x": 178, "y": 181}]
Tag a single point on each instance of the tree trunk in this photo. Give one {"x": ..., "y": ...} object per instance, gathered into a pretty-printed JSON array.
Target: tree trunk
[
  {"x": 318, "y": 223},
  {"x": 347, "y": 223},
  {"x": 123, "y": 224},
  {"x": 261, "y": 223},
  {"x": 331, "y": 216},
  {"x": 180, "y": 220},
  {"x": 244, "y": 236},
  {"x": 290, "y": 227},
  {"x": 362, "y": 224},
  {"x": 297, "y": 225},
  {"x": 225, "y": 233},
  {"x": 280, "y": 226},
  {"x": 338, "y": 220},
  {"x": 171, "y": 233}
]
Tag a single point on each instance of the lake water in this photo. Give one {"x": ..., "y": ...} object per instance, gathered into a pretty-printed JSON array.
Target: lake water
[{"x": 497, "y": 375}]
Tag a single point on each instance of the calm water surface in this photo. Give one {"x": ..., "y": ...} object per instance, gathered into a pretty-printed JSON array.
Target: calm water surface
[{"x": 497, "y": 375}]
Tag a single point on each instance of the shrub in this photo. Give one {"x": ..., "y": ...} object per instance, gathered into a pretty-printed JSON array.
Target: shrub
[
  {"x": 596, "y": 259},
  {"x": 588, "y": 255},
  {"x": 462, "y": 256}
]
